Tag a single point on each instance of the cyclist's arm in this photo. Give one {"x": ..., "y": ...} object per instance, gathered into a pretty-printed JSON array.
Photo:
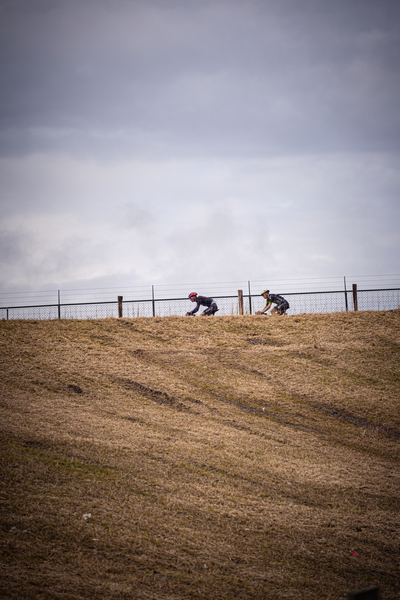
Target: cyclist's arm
[
  {"x": 266, "y": 307},
  {"x": 196, "y": 308}
]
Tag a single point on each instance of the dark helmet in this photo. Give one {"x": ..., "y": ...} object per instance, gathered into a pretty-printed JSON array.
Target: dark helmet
[{"x": 192, "y": 295}]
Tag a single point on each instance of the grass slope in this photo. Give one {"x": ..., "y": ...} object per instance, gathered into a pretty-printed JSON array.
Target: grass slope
[{"x": 219, "y": 458}]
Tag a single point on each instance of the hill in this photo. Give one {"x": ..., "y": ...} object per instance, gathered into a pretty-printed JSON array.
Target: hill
[{"x": 176, "y": 458}]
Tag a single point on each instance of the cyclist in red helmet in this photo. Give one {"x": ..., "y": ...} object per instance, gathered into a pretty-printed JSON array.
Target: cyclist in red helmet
[{"x": 211, "y": 306}]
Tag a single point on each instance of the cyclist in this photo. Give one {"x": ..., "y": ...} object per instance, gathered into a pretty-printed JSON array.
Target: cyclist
[
  {"x": 281, "y": 307},
  {"x": 202, "y": 301}
]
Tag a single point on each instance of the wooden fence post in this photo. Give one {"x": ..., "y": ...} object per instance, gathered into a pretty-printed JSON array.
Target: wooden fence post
[
  {"x": 355, "y": 300},
  {"x": 120, "y": 307},
  {"x": 240, "y": 298}
]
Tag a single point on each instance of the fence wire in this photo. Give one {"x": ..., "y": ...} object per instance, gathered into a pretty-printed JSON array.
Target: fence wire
[
  {"x": 300, "y": 303},
  {"x": 377, "y": 299}
]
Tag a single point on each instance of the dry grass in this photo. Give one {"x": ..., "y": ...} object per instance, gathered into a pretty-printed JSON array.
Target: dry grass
[{"x": 221, "y": 458}]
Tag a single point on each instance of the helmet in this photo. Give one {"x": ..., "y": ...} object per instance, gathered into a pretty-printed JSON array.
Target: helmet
[
  {"x": 264, "y": 292},
  {"x": 192, "y": 294}
]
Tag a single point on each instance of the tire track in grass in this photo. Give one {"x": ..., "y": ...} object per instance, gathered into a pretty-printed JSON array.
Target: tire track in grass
[{"x": 155, "y": 395}]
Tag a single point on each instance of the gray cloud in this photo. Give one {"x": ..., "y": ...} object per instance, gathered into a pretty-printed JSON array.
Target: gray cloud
[
  {"x": 222, "y": 77},
  {"x": 266, "y": 132}
]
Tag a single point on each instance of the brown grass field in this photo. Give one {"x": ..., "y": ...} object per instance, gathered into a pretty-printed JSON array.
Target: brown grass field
[{"x": 219, "y": 458}]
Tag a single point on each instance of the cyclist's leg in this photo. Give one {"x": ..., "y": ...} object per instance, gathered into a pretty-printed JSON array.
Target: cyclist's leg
[
  {"x": 214, "y": 308},
  {"x": 211, "y": 310}
]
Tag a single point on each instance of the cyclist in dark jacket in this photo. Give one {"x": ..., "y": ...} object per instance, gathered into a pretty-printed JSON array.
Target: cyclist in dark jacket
[
  {"x": 202, "y": 301},
  {"x": 281, "y": 307}
]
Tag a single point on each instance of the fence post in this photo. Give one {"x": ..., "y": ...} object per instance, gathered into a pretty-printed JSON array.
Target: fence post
[
  {"x": 240, "y": 298},
  {"x": 249, "y": 297},
  {"x": 59, "y": 305},
  {"x": 345, "y": 295},
  {"x": 120, "y": 307},
  {"x": 152, "y": 301},
  {"x": 355, "y": 300}
]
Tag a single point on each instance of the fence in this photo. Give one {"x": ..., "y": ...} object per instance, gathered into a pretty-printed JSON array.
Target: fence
[{"x": 300, "y": 303}]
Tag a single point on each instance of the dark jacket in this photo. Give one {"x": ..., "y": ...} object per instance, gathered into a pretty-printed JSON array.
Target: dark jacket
[{"x": 202, "y": 301}]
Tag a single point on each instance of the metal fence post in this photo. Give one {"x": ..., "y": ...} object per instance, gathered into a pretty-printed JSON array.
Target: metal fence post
[
  {"x": 345, "y": 295},
  {"x": 59, "y": 305},
  {"x": 249, "y": 297},
  {"x": 240, "y": 299},
  {"x": 120, "y": 307},
  {"x": 153, "y": 301},
  {"x": 355, "y": 299}
]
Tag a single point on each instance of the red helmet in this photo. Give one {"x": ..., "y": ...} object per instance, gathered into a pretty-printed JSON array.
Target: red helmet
[{"x": 192, "y": 295}]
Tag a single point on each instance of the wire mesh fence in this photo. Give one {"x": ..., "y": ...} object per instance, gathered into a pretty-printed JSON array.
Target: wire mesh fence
[
  {"x": 378, "y": 299},
  {"x": 300, "y": 303}
]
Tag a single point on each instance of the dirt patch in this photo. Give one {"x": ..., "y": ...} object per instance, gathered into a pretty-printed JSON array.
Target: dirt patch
[
  {"x": 150, "y": 394},
  {"x": 75, "y": 388},
  {"x": 265, "y": 342},
  {"x": 359, "y": 422}
]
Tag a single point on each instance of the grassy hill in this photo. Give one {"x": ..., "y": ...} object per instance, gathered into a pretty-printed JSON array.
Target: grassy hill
[{"x": 188, "y": 458}]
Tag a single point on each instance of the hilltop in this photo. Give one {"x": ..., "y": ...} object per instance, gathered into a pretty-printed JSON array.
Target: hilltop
[{"x": 227, "y": 457}]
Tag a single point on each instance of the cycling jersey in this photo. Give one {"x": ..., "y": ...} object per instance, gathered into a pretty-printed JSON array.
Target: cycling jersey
[
  {"x": 276, "y": 299},
  {"x": 204, "y": 301}
]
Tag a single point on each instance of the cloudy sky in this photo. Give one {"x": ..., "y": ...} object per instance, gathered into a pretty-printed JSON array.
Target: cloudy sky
[{"x": 173, "y": 141}]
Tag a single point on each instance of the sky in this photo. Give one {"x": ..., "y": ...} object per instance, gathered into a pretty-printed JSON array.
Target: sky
[{"x": 173, "y": 141}]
